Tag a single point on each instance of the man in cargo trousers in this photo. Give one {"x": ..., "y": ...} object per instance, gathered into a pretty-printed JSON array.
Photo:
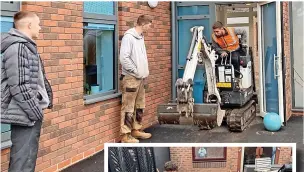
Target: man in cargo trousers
[{"x": 133, "y": 58}]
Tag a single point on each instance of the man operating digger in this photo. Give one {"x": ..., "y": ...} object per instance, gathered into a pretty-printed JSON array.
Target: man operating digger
[
  {"x": 134, "y": 62},
  {"x": 225, "y": 40}
]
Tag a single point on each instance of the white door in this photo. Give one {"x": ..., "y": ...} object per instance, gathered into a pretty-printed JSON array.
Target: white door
[{"x": 270, "y": 53}]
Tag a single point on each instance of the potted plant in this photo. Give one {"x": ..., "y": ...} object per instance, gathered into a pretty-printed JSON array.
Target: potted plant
[{"x": 170, "y": 166}]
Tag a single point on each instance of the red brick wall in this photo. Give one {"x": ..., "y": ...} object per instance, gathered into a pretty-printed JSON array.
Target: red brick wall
[
  {"x": 73, "y": 131},
  {"x": 288, "y": 86},
  {"x": 4, "y": 159},
  {"x": 186, "y": 154},
  {"x": 286, "y": 37},
  {"x": 285, "y": 155},
  {"x": 158, "y": 44}
]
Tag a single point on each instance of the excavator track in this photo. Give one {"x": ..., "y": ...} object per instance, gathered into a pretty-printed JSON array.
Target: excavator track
[{"x": 239, "y": 119}]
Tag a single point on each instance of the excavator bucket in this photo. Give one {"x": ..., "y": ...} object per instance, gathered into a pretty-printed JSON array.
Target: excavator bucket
[
  {"x": 184, "y": 111},
  {"x": 205, "y": 116}
]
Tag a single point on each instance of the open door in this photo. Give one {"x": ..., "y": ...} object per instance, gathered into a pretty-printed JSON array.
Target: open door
[{"x": 270, "y": 53}]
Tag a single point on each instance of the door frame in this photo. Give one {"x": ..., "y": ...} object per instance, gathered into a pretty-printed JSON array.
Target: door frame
[
  {"x": 174, "y": 35},
  {"x": 279, "y": 61},
  {"x": 241, "y": 152}
]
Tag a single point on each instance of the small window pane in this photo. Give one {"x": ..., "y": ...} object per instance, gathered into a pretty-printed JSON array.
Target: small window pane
[
  {"x": 98, "y": 58},
  {"x": 238, "y": 20},
  {"x": 6, "y": 24},
  {"x": 97, "y": 7},
  {"x": 193, "y": 10}
]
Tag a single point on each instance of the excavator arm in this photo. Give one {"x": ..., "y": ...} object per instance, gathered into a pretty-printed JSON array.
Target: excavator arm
[
  {"x": 240, "y": 104},
  {"x": 199, "y": 53},
  {"x": 184, "y": 85}
]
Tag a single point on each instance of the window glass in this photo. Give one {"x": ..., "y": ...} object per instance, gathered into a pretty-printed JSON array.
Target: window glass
[
  {"x": 193, "y": 10},
  {"x": 99, "y": 68},
  {"x": 97, "y": 7},
  {"x": 6, "y": 24}
]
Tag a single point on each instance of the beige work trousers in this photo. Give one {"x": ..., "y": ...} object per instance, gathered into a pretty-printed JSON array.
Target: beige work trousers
[{"x": 133, "y": 97}]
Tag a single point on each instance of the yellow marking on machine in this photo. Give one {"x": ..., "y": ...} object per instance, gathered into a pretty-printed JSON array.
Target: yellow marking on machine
[
  {"x": 223, "y": 84},
  {"x": 199, "y": 46}
]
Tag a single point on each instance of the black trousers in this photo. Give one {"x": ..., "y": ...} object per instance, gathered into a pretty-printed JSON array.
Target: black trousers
[{"x": 25, "y": 143}]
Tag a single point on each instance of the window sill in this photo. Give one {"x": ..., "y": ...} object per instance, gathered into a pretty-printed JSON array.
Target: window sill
[
  {"x": 214, "y": 164},
  {"x": 100, "y": 98},
  {"x": 6, "y": 140},
  {"x": 297, "y": 110},
  {"x": 6, "y": 144}
]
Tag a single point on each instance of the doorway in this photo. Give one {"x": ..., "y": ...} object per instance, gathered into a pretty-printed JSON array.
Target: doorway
[
  {"x": 262, "y": 22},
  {"x": 251, "y": 153}
]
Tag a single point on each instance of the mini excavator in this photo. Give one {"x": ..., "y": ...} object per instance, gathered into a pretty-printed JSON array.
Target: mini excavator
[{"x": 226, "y": 97}]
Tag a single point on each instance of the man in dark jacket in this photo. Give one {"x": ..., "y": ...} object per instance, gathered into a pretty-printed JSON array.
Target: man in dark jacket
[{"x": 25, "y": 91}]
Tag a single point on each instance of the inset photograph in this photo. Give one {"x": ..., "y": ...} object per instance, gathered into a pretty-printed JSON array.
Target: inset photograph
[{"x": 201, "y": 158}]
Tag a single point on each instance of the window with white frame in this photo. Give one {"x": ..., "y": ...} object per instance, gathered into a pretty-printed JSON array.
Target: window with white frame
[{"x": 99, "y": 50}]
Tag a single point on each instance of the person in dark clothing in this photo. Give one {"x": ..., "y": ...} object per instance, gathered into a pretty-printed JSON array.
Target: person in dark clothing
[{"x": 25, "y": 91}]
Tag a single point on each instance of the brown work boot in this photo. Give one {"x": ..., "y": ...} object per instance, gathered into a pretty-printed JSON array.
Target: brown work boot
[
  {"x": 140, "y": 134},
  {"x": 127, "y": 138}
]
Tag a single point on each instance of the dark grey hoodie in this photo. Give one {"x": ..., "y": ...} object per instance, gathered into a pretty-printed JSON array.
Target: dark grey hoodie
[{"x": 133, "y": 55}]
